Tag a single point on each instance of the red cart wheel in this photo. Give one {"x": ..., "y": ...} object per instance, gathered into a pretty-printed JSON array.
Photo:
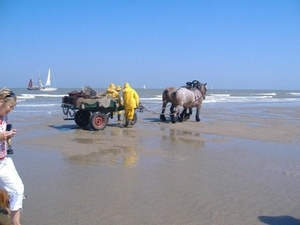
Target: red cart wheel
[{"x": 98, "y": 121}]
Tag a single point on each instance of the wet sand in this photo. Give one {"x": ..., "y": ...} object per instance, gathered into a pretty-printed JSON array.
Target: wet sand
[{"x": 233, "y": 167}]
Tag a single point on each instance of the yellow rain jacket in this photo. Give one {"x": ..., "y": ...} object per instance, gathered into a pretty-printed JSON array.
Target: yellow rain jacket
[
  {"x": 130, "y": 97},
  {"x": 111, "y": 92},
  {"x": 118, "y": 88},
  {"x": 112, "y": 86}
]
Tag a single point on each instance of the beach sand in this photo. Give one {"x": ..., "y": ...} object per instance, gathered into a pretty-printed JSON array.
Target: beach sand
[{"x": 234, "y": 167}]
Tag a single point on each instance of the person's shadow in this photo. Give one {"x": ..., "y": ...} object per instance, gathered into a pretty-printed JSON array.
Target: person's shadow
[{"x": 279, "y": 220}]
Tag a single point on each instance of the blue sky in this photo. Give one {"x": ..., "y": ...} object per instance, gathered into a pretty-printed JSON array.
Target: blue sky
[{"x": 227, "y": 44}]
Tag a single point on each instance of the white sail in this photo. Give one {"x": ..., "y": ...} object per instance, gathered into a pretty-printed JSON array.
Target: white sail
[
  {"x": 48, "y": 86},
  {"x": 48, "y": 81}
]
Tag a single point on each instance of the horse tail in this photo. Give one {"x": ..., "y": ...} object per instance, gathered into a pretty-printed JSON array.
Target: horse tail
[{"x": 165, "y": 96}]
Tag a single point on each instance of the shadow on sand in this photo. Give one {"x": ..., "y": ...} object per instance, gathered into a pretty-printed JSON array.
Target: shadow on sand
[
  {"x": 155, "y": 120},
  {"x": 279, "y": 220},
  {"x": 65, "y": 127}
]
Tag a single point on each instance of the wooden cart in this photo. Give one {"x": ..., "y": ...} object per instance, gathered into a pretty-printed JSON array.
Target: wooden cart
[{"x": 91, "y": 111}]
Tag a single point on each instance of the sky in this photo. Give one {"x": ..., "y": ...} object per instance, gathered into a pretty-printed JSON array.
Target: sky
[{"x": 158, "y": 43}]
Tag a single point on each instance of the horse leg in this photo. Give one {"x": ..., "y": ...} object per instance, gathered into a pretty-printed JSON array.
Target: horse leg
[
  {"x": 197, "y": 115},
  {"x": 172, "y": 113},
  {"x": 164, "y": 105},
  {"x": 188, "y": 115},
  {"x": 183, "y": 115},
  {"x": 179, "y": 115},
  {"x": 162, "y": 115}
]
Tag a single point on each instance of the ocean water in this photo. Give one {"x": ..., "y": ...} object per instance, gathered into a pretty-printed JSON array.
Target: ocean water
[
  {"x": 268, "y": 169},
  {"x": 49, "y": 103}
]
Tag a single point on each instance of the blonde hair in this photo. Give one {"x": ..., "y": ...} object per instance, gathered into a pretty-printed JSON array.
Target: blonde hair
[{"x": 8, "y": 96}]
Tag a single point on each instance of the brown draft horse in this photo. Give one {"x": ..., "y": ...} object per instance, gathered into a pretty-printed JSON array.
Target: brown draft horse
[
  {"x": 167, "y": 97},
  {"x": 186, "y": 98}
]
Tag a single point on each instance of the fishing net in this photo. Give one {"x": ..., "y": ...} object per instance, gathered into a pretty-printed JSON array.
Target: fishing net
[{"x": 89, "y": 91}]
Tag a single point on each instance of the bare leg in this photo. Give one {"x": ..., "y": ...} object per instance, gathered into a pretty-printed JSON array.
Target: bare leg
[{"x": 15, "y": 217}]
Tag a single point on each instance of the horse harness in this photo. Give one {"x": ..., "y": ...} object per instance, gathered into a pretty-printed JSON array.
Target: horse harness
[{"x": 196, "y": 95}]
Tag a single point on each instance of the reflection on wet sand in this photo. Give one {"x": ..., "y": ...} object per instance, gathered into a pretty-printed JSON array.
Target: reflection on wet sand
[
  {"x": 115, "y": 132},
  {"x": 127, "y": 156},
  {"x": 128, "y": 147},
  {"x": 188, "y": 137},
  {"x": 108, "y": 131},
  {"x": 84, "y": 140}
]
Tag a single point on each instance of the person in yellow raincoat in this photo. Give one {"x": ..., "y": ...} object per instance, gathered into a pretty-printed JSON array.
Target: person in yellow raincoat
[
  {"x": 111, "y": 91},
  {"x": 118, "y": 89},
  {"x": 131, "y": 102}
]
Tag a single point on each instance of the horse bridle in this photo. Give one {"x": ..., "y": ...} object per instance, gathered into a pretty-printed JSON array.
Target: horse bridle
[{"x": 200, "y": 89}]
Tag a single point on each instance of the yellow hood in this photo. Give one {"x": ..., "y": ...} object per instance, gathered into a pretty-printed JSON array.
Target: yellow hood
[{"x": 126, "y": 85}]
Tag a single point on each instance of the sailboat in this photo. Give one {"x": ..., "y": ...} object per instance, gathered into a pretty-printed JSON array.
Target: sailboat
[
  {"x": 32, "y": 87},
  {"x": 48, "y": 86},
  {"x": 144, "y": 87}
]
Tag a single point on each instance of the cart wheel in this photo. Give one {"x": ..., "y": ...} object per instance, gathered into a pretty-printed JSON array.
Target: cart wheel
[
  {"x": 134, "y": 119},
  {"x": 98, "y": 121},
  {"x": 82, "y": 118}
]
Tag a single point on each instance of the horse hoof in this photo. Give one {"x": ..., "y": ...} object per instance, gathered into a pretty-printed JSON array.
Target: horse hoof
[
  {"x": 187, "y": 117},
  {"x": 163, "y": 118}
]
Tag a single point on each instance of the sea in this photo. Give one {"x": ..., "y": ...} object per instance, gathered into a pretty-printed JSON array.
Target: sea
[
  {"x": 49, "y": 103},
  {"x": 270, "y": 167}
]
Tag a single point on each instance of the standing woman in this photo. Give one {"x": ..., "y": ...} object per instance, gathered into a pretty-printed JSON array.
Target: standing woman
[{"x": 10, "y": 180}]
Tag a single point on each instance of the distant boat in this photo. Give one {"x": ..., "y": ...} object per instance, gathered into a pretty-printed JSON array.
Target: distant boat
[
  {"x": 144, "y": 86},
  {"x": 48, "y": 86},
  {"x": 32, "y": 87}
]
